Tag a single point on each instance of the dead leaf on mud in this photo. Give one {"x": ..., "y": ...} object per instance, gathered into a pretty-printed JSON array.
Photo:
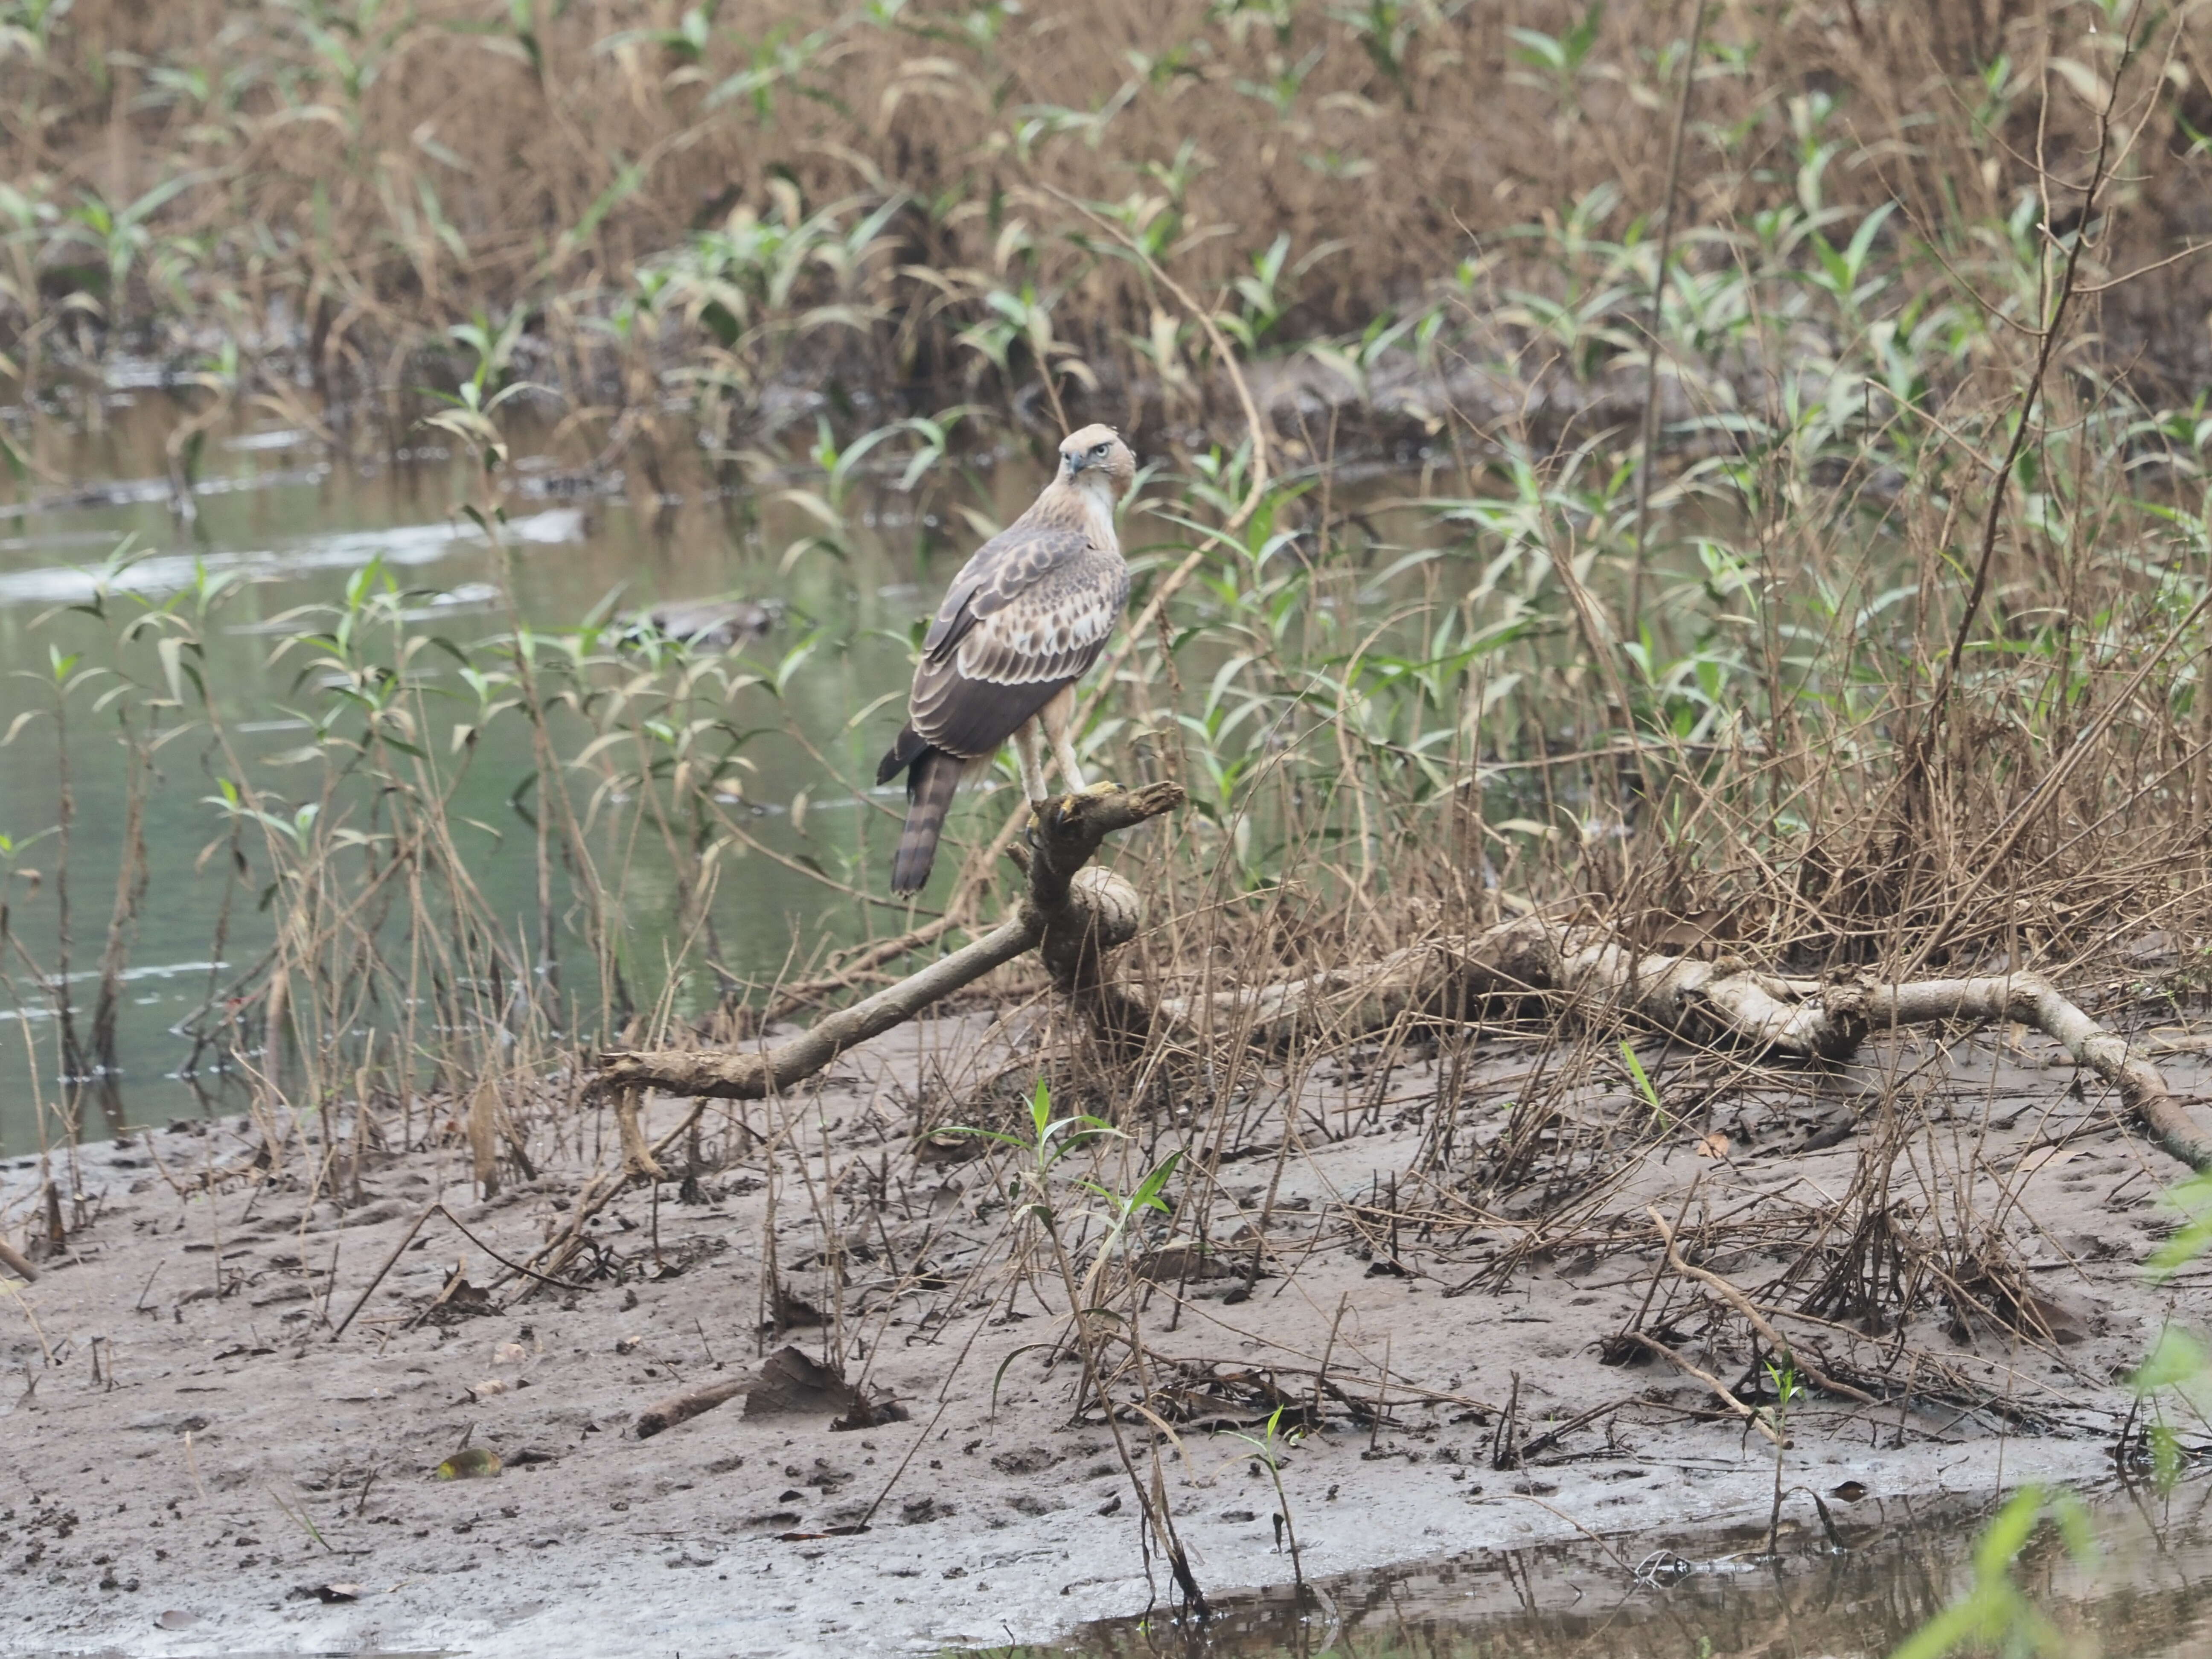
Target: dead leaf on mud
[
  {"x": 941, "y": 1148},
  {"x": 791, "y": 1384},
  {"x": 871, "y": 1413},
  {"x": 457, "y": 1301},
  {"x": 2017, "y": 1310},
  {"x": 793, "y": 1312},
  {"x": 1714, "y": 1145},
  {"x": 1179, "y": 1262},
  {"x": 476, "y": 1463}
]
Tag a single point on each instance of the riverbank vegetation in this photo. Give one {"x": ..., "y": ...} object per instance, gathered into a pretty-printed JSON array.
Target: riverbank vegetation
[{"x": 1730, "y": 475}]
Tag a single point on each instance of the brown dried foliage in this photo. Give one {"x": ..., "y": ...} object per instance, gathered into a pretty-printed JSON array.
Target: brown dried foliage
[{"x": 1379, "y": 143}]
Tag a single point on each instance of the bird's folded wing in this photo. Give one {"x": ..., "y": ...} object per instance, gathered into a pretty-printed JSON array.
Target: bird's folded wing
[
  {"x": 1009, "y": 661},
  {"x": 998, "y": 573}
]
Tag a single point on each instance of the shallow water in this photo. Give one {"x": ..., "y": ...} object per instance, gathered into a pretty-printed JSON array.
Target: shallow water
[
  {"x": 296, "y": 528},
  {"x": 2148, "y": 1594}
]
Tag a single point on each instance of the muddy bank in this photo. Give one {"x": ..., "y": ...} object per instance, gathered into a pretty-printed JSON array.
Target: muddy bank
[{"x": 190, "y": 1462}]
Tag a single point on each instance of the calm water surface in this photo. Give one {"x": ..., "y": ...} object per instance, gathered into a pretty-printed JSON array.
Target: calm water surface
[{"x": 2148, "y": 1596}]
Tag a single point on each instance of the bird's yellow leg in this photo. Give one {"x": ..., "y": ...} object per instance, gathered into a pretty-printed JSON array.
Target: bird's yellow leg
[
  {"x": 1058, "y": 718},
  {"x": 1071, "y": 770},
  {"x": 1028, "y": 751}
]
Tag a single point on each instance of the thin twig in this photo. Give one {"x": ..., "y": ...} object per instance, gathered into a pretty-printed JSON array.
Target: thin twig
[
  {"x": 1649, "y": 437},
  {"x": 2045, "y": 349}
]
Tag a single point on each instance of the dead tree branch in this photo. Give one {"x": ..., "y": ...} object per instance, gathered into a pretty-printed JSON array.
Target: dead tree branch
[
  {"x": 1726, "y": 1397},
  {"x": 1758, "y": 1320},
  {"x": 1070, "y": 922},
  {"x": 1071, "y": 915},
  {"x": 16, "y": 1263},
  {"x": 1726, "y": 1000}
]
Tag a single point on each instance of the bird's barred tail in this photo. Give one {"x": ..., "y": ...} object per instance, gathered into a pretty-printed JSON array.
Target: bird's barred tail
[{"x": 929, "y": 788}]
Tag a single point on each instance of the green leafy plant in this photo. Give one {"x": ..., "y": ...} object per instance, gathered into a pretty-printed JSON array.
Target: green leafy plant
[
  {"x": 1782, "y": 1378},
  {"x": 1036, "y": 1196},
  {"x": 1995, "y": 1612}
]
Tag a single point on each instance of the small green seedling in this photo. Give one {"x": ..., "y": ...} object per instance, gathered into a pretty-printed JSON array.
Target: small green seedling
[
  {"x": 1645, "y": 1086},
  {"x": 1783, "y": 1379},
  {"x": 1268, "y": 1447}
]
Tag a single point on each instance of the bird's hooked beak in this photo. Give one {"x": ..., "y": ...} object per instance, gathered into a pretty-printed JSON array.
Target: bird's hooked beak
[{"x": 1075, "y": 461}]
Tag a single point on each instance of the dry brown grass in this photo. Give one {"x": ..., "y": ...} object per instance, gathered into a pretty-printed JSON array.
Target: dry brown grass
[
  {"x": 388, "y": 172},
  {"x": 1805, "y": 770}
]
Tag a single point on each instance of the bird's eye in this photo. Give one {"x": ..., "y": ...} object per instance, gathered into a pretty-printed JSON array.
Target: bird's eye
[{"x": 1099, "y": 449}]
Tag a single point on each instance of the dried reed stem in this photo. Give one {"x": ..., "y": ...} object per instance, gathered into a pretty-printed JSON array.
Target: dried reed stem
[
  {"x": 1648, "y": 436},
  {"x": 1758, "y": 1320}
]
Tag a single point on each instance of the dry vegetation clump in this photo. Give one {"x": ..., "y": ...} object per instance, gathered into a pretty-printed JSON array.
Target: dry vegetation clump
[{"x": 719, "y": 193}]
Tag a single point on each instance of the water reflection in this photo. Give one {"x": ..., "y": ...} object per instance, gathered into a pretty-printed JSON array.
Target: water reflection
[{"x": 2148, "y": 1596}]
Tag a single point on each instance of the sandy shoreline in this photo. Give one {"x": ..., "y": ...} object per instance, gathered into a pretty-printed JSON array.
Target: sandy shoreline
[{"x": 177, "y": 1417}]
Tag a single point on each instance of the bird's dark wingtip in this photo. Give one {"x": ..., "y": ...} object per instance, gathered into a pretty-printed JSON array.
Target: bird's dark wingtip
[{"x": 908, "y": 749}]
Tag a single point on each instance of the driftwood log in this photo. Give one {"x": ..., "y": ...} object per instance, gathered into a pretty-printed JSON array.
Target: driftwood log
[
  {"x": 1727, "y": 1000},
  {"x": 683, "y": 1408},
  {"x": 1070, "y": 914}
]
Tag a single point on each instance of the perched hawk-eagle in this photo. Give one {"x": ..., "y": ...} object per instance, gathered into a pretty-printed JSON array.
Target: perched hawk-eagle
[{"x": 1023, "y": 620}]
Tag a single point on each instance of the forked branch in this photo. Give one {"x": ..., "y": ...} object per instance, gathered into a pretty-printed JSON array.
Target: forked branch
[{"x": 1071, "y": 914}]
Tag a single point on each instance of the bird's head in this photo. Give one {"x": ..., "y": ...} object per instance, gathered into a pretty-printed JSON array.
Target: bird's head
[{"x": 1097, "y": 458}]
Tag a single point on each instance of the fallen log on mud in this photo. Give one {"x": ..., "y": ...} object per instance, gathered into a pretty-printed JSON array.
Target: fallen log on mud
[
  {"x": 1070, "y": 914},
  {"x": 1727, "y": 1000}
]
